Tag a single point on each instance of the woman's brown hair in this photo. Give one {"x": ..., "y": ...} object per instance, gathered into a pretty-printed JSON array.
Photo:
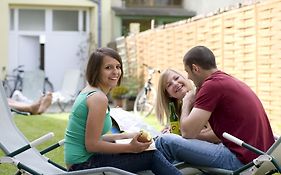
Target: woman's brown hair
[{"x": 95, "y": 63}]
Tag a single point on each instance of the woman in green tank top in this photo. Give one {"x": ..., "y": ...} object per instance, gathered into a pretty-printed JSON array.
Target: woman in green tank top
[{"x": 87, "y": 144}]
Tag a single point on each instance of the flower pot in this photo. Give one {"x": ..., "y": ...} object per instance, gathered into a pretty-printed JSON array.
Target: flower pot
[
  {"x": 118, "y": 102},
  {"x": 129, "y": 104}
]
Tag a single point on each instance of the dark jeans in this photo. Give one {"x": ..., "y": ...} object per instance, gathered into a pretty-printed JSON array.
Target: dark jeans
[{"x": 148, "y": 160}]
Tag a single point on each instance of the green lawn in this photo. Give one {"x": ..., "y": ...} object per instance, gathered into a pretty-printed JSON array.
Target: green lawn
[{"x": 38, "y": 125}]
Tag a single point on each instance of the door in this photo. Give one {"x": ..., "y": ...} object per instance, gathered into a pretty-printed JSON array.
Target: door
[{"x": 29, "y": 52}]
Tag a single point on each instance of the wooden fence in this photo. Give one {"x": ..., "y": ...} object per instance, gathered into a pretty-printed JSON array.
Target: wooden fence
[{"x": 246, "y": 42}]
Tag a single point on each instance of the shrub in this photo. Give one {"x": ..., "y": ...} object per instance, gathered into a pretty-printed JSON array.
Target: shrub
[{"x": 119, "y": 92}]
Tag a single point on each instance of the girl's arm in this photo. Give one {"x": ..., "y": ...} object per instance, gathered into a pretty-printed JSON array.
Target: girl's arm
[
  {"x": 113, "y": 137},
  {"x": 97, "y": 106}
]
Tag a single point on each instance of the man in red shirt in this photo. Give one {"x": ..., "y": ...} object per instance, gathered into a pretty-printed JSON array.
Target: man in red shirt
[{"x": 229, "y": 105}]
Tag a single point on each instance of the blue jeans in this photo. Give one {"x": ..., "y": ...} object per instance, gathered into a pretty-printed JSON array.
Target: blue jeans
[
  {"x": 197, "y": 152},
  {"x": 148, "y": 160}
]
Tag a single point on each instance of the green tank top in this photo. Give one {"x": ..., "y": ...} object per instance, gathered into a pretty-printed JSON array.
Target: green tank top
[{"x": 74, "y": 146}]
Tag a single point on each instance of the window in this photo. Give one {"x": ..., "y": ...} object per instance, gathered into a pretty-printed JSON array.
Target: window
[
  {"x": 145, "y": 24},
  {"x": 84, "y": 21},
  {"x": 64, "y": 20},
  {"x": 31, "y": 20},
  {"x": 12, "y": 21}
]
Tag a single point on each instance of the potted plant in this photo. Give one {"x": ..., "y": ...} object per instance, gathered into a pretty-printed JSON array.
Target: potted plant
[
  {"x": 133, "y": 86},
  {"x": 118, "y": 95}
]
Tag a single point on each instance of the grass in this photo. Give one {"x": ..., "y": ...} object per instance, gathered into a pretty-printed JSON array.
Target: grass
[{"x": 38, "y": 125}]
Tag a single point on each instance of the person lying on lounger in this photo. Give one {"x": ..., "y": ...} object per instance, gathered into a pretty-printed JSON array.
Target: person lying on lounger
[{"x": 34, "y": 108}]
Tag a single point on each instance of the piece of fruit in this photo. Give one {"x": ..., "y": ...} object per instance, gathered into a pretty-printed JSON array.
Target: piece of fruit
[{"x": 144, "y": 137}]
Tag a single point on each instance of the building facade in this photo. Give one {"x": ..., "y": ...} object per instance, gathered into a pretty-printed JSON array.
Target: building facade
[{"x": 50, "y": 35}]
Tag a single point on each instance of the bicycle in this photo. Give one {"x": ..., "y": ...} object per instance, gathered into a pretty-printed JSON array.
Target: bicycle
[
  {"x": 14, "y": 82},
  {"x": 144, "y": 103},
  {"x": 48, "y": 86}
]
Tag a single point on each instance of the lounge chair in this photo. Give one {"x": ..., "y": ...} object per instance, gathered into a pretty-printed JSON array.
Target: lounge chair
[
  {"x": 266, "y": 164},
  {"x": 70, "y": 88},
  {"x": 33, "y": 83},
  {"x": 24, "y": 155}
]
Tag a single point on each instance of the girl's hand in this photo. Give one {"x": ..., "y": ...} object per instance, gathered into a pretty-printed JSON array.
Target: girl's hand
[
  {"x": 187, "y": 103},
  {"x": 166, "y": 130},
  {"x": 137, "y": 146},
  {"x": 189, "y": 97}
]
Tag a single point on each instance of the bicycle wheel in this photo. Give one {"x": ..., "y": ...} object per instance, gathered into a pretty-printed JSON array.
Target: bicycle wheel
[
  {"x": 7, "y": 88},
  {"x": 48, "y": 86},
  {"x": 18, "y": 84},
  {"x": 144, "y": 103}
]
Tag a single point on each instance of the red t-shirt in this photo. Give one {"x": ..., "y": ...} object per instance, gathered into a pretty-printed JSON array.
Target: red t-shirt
[{"x": 236, "y": 110}]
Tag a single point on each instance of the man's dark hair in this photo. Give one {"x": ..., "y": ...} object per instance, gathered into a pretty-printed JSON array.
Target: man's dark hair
[{"x": 201, "y": 56}]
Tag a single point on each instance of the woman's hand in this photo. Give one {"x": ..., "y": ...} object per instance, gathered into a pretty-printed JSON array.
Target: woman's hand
[
  {"x": 137, "y": 146},
  {"x": 189, "y": 98}
]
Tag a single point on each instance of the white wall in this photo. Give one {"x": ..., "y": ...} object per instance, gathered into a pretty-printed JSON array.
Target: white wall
[
  {"x": 111, "y": 25},
  {"x": 61, "y": 49},
  {"x": 61, "y": 55},
  {"x": 116, "y": 31},
  {"x": 106, "y": 22},
  {"x": 116, "y": 3},
  {"x": 29, "y": 52},
  {"x": 116, "y": 28},
  {"x": 13, "y": 52},
  {"x": 206, "y": 6},
  {"x": 4, "y": 30}
]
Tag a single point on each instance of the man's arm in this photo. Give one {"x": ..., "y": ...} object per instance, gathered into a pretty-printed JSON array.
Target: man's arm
[
  {"x": 192, "y": 123},
  {"x": 190, "y": 130},
  {"x": 192, "y": 120},
  {"x": 207, "y": 134}
]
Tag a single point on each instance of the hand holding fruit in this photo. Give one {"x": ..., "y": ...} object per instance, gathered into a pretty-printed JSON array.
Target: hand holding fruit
[
  {"x": 144, "y": 137},
  {"x": 138, "y": 145}
]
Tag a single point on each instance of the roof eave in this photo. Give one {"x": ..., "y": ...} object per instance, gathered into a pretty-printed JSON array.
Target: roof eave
[{"x": 170, "y": 12}]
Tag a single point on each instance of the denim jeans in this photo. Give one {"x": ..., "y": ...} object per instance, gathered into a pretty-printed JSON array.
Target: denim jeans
[
  {"x": 197, "y": 152},
  {"x": 148, "y": 160}
]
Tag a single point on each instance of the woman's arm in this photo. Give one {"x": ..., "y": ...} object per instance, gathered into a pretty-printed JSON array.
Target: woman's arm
[
  {"x": 113, "y": 137},
  {"x": 97, "y": 106}
]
